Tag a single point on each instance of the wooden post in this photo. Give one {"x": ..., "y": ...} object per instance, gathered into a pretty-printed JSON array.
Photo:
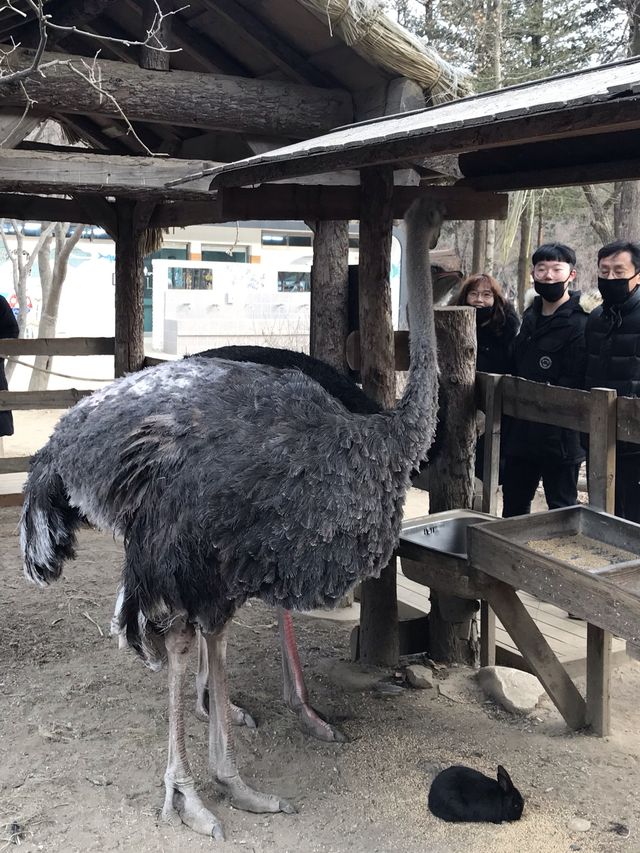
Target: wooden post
[
  {"x": 379, "y": 643},
  {"x": 129, "y": 326},
  {"x": 491, "y": 472},
  {"x": 329, "y": 292},
  {"x": 329, "y": 300},
  {"x": 602, "y": 482},
  {"x": 451, "y": 474}
]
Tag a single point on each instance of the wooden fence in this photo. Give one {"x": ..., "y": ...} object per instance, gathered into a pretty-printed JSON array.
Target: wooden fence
[{"x": 34, "y": 400}]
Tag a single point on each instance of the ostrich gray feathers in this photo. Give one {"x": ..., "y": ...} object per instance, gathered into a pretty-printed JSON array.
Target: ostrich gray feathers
[{"x": 229, "y": 480}]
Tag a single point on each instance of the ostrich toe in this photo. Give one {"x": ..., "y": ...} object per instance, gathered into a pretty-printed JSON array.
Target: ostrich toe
[
  {"x": 241, "y": 796},
  {"x": 237, "y": 715},
  {"x": 314, "y": 724},
  {"x": 183, "y": 802}
]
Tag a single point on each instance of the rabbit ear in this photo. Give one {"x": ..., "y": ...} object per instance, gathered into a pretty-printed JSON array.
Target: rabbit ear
[{"x": 504, "y": 780}]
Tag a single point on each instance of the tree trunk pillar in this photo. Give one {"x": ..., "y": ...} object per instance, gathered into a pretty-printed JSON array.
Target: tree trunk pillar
[
  {"x": 379, "y": 644},
  {"x": 129, "y": 326},
  {"x": 330, "y": 300},
  {"x": 451, "y": 474},
  {"x": 330, "y": 292}
]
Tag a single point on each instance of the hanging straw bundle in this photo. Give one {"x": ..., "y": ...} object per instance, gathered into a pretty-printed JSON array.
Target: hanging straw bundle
[{"x": 364, "y": 26}]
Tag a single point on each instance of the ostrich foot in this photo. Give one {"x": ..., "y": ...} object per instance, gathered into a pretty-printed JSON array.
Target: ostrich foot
[
  {"x": 182, "y": 802},
  {"x": 237, "y": 715},
  {"x": 314, "y": 724},
  {"x": 241, "y": 796}
]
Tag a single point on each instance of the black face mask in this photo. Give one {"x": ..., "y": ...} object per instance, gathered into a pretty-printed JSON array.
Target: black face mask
[
  {"x": 484, "y": 313},
  {"x": 550, "y": 291},
  {"x": 614, "y": 291}
]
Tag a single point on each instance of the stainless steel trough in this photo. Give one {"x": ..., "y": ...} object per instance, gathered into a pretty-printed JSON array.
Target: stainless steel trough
[{"x": 444, "y": 532}]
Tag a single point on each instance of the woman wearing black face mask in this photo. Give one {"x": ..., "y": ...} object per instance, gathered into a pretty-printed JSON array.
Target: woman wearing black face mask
[
  {"x": 613, "y": 346},
  {"x": 496, "y": 321},
  {"x": 496, "y": 327},
  {"x": 549, "y": 348}
]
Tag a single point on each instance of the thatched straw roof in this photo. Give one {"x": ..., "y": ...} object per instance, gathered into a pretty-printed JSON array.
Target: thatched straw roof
[{"x": 365, "y": 27}]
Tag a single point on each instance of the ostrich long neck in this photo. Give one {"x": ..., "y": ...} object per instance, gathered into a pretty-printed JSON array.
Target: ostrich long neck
[{"x": 417, "y": 408}]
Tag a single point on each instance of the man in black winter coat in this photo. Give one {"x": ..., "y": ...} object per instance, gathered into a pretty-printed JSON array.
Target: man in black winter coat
[
  {"x": 549, "y": 348},
  {"x": 613, "y": 347},
  {"x": 8, "y": 329}
]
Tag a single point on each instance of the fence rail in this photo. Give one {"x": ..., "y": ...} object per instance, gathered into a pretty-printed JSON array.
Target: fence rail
[{"x": 56, "y": 346}]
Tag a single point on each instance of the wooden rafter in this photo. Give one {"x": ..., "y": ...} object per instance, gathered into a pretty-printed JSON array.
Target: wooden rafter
[
  {"x": 235, "y": 104},
  {"x": 266, "y": 41}
]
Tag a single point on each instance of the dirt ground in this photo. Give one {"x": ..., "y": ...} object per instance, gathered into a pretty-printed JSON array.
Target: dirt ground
[{"x": 83, "y": 744}]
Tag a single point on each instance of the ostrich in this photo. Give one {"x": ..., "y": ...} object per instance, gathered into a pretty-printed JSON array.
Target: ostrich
[
  {"x": 232, "y": 480},
  {"x": 346, "y": 390}
]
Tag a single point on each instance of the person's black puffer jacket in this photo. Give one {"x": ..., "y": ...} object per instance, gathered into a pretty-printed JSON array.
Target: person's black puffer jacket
[
  {"x": 550, "y": 350},
  {"x": 613, "y": 352},
  {"x": 494, "y": 347}
]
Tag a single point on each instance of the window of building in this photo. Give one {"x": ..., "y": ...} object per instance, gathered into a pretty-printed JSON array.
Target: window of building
[{"x": 294, "y": 282}]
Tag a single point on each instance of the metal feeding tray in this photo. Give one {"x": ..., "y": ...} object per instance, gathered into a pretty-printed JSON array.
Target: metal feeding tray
[
  {"x": 579, "y": 558},
  {"x": 433, "y": 549},
  {"x": 444, "y": 532}
]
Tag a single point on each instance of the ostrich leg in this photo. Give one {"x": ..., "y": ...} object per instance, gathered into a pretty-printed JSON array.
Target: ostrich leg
[
  {"x": 221, "y": 751},
  {"x": 295, "y": 690},
  {"x": 237, "y": 715},
  {"x": 181, "y": 797}
]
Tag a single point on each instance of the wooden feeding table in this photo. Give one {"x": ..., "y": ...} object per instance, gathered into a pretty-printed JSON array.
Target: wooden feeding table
[{"x": 578, "y": 558}]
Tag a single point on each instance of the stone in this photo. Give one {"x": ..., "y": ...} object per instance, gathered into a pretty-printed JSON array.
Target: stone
[
  {"x": 516, "y": 691},
  {"x": 579, "y": 824},
  {"x": 419, "y": 676}
]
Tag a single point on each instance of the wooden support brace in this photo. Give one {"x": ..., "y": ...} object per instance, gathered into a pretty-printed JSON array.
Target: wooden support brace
[{"x": 536, "y": 651}]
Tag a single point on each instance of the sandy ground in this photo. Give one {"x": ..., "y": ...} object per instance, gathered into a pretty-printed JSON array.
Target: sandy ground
[
  {"x": 83, "y": 744},
  {"x": 83, "y": 734}
]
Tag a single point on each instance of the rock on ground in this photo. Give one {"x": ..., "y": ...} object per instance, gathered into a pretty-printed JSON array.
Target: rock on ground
[{"x": 516, "y": 691}]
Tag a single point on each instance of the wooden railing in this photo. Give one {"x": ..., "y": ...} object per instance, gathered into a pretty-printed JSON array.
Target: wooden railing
[{"x": 34, "y": 400}]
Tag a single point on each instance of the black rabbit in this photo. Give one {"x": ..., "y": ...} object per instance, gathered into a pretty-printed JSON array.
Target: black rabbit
[{"x": 462, "y": 794}]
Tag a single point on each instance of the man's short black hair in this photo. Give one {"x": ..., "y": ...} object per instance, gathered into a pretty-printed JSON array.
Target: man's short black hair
[
  {"x": 622, "y": 246},
  {"x": 554, "y": 252}
]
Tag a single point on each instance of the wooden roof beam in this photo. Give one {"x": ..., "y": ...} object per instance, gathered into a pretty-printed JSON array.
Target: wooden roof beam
[
  {"x": 235, "y": 104},
  {"x": 135, "y": 177},
  {"x": 570, "y": 123},
  {"x": 265, "y": 40},
  {"x": 299, "y": 202}
]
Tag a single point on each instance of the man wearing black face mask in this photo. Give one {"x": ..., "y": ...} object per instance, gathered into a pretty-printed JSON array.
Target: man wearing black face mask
[
  {"x": 549, "y": 348},
  {"x": 613, "y": 346}
]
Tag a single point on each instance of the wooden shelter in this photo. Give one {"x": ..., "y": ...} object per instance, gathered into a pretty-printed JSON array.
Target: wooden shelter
[{"x": 253, "y": 77}]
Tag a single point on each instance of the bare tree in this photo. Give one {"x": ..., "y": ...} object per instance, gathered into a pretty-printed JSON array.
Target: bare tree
[
  {"x": 52, "y": 278},
  {"x": 22, "y": 262}
]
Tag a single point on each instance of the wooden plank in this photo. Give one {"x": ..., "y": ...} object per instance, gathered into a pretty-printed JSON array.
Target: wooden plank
[
  {"x": 538, "y": 654},
  {"x": 593, "y": 598},
  {"x": 104, "y": 174},
  {"x": 403, "y": 139},
  {"x": 491, "y": 462},
  {"x": 602, "y": 478},
  {"x": 182, "y": 98},
  {"x": 602, "y": 449},
  {"x": 598, "y": 680},
  {"x": 20, "y": 400},
  {"x": 535, "y": 401},
  {"x": 299, "y": 201},
  {"x": 561, "y": 176},
  {"x": 56, "y": 346},
  {"x": 15, "y": 464},
  {"x": 487, "y": 634},
  {"x": 264, "y": 39},
  {"x": 18, "y": 206}
]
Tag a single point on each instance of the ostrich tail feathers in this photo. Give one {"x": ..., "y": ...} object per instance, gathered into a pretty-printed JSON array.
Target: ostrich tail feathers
[{"x": 48, "y": 524}]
